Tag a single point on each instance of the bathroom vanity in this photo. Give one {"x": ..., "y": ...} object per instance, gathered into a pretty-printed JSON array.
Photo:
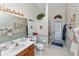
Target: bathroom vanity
[{"x": 23, "y": 48}]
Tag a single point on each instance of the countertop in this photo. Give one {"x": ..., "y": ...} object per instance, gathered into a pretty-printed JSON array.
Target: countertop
[{"x": 13, "y": 51}]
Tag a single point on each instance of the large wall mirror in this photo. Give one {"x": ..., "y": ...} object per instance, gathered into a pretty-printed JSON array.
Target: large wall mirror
[{"x": 11, "y": 27}]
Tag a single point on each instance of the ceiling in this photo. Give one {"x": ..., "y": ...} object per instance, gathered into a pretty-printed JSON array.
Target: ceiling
[{"x": 40, "y": 6}]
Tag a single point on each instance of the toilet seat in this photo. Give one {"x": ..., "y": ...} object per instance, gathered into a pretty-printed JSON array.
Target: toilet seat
[{"x": 40, "y": 46}]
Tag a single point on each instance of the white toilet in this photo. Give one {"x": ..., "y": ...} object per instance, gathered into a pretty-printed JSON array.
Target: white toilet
[{"x": 38, "y": 45}]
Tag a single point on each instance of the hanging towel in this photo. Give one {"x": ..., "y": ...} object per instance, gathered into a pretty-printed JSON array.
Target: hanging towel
[{"x": 64, "y": 32}]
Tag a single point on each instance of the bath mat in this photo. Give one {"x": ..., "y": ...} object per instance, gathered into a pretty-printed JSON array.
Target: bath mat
[{"x": 57, "y": 44}]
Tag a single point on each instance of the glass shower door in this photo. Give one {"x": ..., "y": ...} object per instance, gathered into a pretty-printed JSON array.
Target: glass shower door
[{"x": 58, "y": 31}]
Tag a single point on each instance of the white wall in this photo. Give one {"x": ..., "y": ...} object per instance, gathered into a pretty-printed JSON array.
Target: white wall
[
  {"x": 72, "y": 8},
  {"x": 56, "y": 8},
  {"x": 29, "y": 10},
  {"x": 44, "y": 24}
]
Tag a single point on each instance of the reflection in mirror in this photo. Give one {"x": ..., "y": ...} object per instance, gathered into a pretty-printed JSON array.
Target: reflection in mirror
[{"x": 17, "y": 24}]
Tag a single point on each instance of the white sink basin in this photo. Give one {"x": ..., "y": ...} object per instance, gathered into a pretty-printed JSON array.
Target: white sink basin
[
  {"x": 15, "y": 46},
  {"x": 5, "y": 46},
  {"x": 17, "y": 43}
]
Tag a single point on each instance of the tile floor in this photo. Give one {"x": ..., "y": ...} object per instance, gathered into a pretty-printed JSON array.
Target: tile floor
[{"x": 55, "y": 51}]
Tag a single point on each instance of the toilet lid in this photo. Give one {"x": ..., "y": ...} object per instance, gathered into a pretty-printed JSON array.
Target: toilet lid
[{"x": 40, "y": 46}]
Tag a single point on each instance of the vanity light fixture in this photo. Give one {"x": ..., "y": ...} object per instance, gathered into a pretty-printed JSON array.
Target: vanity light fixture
[{"x": 12, "y": 11}]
